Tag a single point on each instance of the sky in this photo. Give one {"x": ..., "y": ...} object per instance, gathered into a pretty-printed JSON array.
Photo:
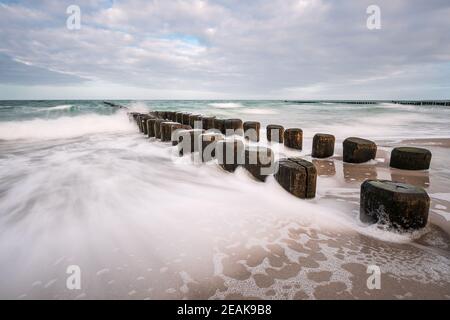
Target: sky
[{"x": 198, "y": 49}]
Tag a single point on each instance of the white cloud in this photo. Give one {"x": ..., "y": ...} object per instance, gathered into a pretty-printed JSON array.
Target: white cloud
[{"x": 267, "y": 49}]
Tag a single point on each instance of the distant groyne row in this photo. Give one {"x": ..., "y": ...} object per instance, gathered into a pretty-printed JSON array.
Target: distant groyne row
[
  {"x": 404, "y": 102},
  {"x": 233, "y": 143}
]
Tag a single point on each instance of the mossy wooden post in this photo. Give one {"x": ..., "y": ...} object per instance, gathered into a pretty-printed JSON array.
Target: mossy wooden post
[
  {"x": 357, "y": 150},
  {"x": 275, "y": 133},
  {"x": 293, "y": 138},
  {"x": 208, "y": 142},
  {"x": 398, "y": 205},
  {"x": 323, "y": 145},
  {"x": 234, "y": 126},
  {"x": 260, "y": 162},
  {"x": 230, "y": 154},
  {"x": 298, "y": 177},
  {"x": 251, "y": 130},
  {"x": 409, "y": 158}
]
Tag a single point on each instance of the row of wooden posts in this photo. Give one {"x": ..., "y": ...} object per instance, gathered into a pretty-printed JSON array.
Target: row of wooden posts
[{"x": 400, "y": 205}]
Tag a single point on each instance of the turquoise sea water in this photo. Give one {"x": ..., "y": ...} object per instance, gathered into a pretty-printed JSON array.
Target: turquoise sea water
[
  {"x": 381, "y": 120},
  {"x": 79, "y": 185}
]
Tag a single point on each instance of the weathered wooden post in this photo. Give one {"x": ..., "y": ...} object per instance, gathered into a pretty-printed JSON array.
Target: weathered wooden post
[
  {"x": 195, "y": 121},
  {"x": 323, "y": 145},
  {"x": 157, "y": 127},
  {"x": 174, "y": 129},
  {"x": 208, "y": 142},
  {"x": 260, "y": 162},
  {"x": 298, "y": 177},
  {"x": 398, "y": 205},
  {"x": 357, "y": 150},
  {"x": 251, "y": 130},
  {"x": 409, "y": 158},
  {"x": 275, "y": 133},
  {"x": 161, "y": 115},
  {"x": 139, "y": 122},
  {"x": 186, "y": 118},
  {"x": 233, "y": 126},
  {"x": 151, "y": 127},
  {"x": 293, "y": 138},
  {"x": 208, "y": 123},
  {"x": 230, "y": 154},
  {"x": 219, "y": 124},
  {"x": 188, "y": 141},
  {"x": 144, "y": 123},
  {"x": 132, "y": 115},
  {"x": 179, "y": 117},
  {"x": 166, "y": 130}
]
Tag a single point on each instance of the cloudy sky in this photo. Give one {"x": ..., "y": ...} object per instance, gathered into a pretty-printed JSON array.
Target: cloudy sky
[{"x": 224, "y": 49}]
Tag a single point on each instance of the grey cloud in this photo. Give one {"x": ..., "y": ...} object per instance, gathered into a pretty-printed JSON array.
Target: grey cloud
[
  {"x": 267, "y": 49},
  {"x": 14, "y": 72}
]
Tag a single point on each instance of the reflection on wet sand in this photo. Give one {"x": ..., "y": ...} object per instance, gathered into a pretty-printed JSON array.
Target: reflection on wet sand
[
  {"x": 416, "y": 178},
  {"x": 325, "y": 167},
  {"x": 359, "y": 172}
]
